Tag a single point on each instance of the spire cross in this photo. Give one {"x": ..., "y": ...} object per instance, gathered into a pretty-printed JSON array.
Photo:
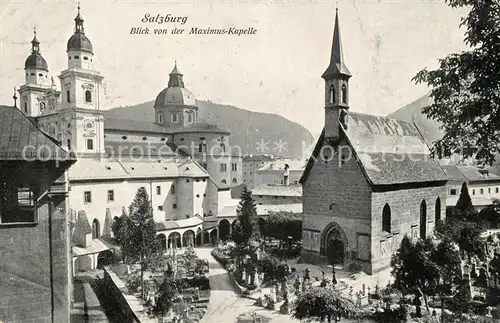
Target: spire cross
[
  {"x": 34, "y": 30},
  {"x": 78, "y": 6}
]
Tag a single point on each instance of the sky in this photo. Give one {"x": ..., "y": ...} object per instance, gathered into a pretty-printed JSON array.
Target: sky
[{"x": 276, "y": 70}]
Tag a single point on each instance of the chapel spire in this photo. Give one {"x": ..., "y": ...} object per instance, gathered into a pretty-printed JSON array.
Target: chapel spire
[
  {"x": 79, "y": 22},
  {"x": 337, "y": 67},
  {"x": 35, "y": 44}
]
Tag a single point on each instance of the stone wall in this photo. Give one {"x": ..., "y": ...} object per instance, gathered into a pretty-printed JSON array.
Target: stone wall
[
  {"x": 405, "y": 219},
  {"x": 119, "y": 297},
  {"x": 25, "y": 268},
  {"x": 336, "y": 192}
]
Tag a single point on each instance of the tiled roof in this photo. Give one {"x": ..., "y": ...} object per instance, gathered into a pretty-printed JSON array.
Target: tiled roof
[
  {"x": 280, "y": 165},
  {"x": 258, "y": 158},
  {"x": 134, "y": 125},
  {"x": 201, "y": 127},
  {"x": 91, "y": 169},
  {"x": 470, "y": 173},
  {"x": 96, "y": 246},
  {"x": 178, "y": 224},
  {"x": 278, "y": 190},
  {"x": 21, "y": 139},
  {"x": 389, "y": 151}
]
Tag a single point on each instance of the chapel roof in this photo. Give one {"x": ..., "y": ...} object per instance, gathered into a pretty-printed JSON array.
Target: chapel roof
[{"x": 389, "y": 151}]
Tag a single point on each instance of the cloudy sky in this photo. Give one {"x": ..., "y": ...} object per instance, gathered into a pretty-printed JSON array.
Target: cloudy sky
[{"x": 277, "y": 70}]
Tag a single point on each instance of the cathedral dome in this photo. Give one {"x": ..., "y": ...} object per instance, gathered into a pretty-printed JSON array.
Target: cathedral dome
[
  {"x": 175, "y": 96},
  {"x": 175, "y": 93},
  {"x": 36, "y": 62},
  {"x": 80, "y": 42}
]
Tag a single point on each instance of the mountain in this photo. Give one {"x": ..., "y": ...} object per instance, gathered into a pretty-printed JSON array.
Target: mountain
[
  {"x": 413, "y": 113},
  {"x": 249, "y": 129}
]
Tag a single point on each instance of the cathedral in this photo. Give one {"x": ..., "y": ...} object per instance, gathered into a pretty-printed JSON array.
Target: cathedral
[
  {"x": 369, "y": 182},
  {"x": 185, "y": 165}
]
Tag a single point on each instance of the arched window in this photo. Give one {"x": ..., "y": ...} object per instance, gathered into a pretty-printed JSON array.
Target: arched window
[
  {"x": 42, "y": 106},
  {"x": 67, "y": 96},
  {"x": 88, "y": 96},
  {"x": 386, "y": 219},
  {"x": 95, "y": 229},
  {"x": 423, "y": 220},
  {"x": 235, "y": 181},
  {"x": 223, "y": 181},
  {"x": 160, "y": 117},
  {"x": 437, "y": 210},
  {"x": 344, "y": 94},
  {"x": 25, "y": 107},
  {"x": 190, "y": 117},
  {"x": 332, "y": 94}
]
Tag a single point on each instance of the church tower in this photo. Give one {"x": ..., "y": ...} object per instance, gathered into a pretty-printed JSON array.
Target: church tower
[
  {"x": 32, "y": 93},
  {"x": 82, "y": 95},
  {"x": 175, "y": 106},
  {"x": 336, "y": 79}
]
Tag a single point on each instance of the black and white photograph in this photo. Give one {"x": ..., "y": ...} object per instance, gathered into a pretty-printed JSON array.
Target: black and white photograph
[{"x": 189, "y": 161}]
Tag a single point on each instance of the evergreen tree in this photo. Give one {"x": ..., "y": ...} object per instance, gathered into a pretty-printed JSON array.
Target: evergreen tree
[
  {"x": 119, "y": 228},
  {"x": 140, "y": 245},
  {"x": 464, "y": 207},
  {"x": 246, "y": 226},
  {"x": 465, "y": 87}
]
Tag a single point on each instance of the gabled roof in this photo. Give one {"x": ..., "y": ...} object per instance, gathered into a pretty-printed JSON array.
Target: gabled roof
[
  {"x": 201, "y": 127},
  {"x": 466, "y": 173},
  {"x": 389, "y": 151},
  {"x": 21, "y": 139}
]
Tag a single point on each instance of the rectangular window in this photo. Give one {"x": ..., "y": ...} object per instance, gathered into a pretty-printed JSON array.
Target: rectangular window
[
  {"x": 496, "y": 190},
  {"x": 158, "y": 190},
  {"x": 489, "y": 190},
  {"x": 69, "y": 144},
  {"x": 473, "y": 192},
  {"x": 111, "y": 195},
  {"x": 223, "y": 168},
  {"x": 90, "y": 144},
  {"x": 481, "y": 191},
  {"x": 172, "y": 189},
  {"x": 190, "y": 117},
  {"x": 234, "y": 167},
  {"x": 174, "y": 206},
  {"x": 453, "y": 191},
  {"x": 160, "y": 207},
  {"x": 87, "y": 197},
  {"x": 17, "y": 204},
  {"x": 174, "y": 118}
]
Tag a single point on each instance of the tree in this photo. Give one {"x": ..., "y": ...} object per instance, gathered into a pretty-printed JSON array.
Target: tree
[
  {"x": 490, "y": 214},
  {"x": 464, "y": 207},
  {"x": 119, "y": 228},
  {"x": 323, "y": 304},
  {"x": 245, "y": 228},
  {"x": 140, "y": 244},
  {"x": 414, "y": 269},
  {"x": 466, "y": 86},
  {"x": 447, "y": 257},
  {"x": 167, "y": 294}
]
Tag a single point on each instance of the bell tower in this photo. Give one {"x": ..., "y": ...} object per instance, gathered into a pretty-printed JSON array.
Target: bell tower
[{"x": 336, "y": 78}]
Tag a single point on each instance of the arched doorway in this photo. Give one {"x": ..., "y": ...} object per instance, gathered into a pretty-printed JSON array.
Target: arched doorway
[
  {"x": 162, "y": 241},
  {"x": 423, "y": 220},
  {"x": 199, "y": 237},
  {"x": 96, "y": 229},
  {"x": 105, "y": 258},
  {"x": 174, "y": 240},
  {"x": 213, "y": 236},
  {"x": 334, "y": 244},
  {"x": 188, "y": 238},
  {"x": 224, "y": 230}
]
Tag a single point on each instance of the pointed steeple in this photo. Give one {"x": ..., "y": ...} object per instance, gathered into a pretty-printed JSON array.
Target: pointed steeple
[
  {"x": 337, "y": 67},
  {"x": 175, "y": 79}
]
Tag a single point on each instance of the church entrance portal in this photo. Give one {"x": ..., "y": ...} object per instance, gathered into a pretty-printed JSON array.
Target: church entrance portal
[{"x": 335, "y": 252}]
